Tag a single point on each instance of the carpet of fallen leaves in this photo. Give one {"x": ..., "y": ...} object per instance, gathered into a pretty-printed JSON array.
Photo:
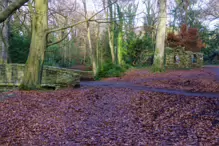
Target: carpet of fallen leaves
[
  {"x": 197, "y": 80},
  {"x": 107, "y": 116},
  {"x": 114, "y": 116}
]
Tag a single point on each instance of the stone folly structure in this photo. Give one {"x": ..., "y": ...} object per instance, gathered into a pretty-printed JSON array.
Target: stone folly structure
[
  {"x": 175, "y": 58},
  {"x": 179, "y": 58},
  {"x": 12, "y": 74}
]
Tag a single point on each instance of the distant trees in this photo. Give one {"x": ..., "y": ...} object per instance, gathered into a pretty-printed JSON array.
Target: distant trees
[{"x": 211, "y": 10}]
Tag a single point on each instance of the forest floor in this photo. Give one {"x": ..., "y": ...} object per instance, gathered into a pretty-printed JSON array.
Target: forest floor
[{"x": 172, "y": 108}]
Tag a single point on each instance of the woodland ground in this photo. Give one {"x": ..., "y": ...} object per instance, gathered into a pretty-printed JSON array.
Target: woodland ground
[{"x": 118, "y": 113}]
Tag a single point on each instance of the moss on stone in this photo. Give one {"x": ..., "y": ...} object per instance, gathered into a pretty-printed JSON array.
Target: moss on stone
[
  {"x": 185, "y": 58},
  {"x": 12, "y": 74}
]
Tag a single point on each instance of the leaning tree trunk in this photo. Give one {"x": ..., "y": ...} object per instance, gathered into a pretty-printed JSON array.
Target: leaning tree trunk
[
  {"x": 4, "y": 36},
  {"x": 34, "y": 64},
  {"x": 158, "y": 63}
]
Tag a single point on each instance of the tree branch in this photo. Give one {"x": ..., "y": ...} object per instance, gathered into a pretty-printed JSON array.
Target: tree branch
[
  {"x": 48, "y": 45},
  {"x": 11, "y": 8},
  {"x": 70, "y": 26}
]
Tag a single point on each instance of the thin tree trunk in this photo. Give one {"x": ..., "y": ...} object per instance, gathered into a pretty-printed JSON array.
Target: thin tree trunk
[
  {"x": 91, "y": 50},
  {"x": 186, "y": 11},
  {"x": 34, "y": 64},
  {"x": 111, "y": 34},
  {"x": 120, "y": 37},
  {"x": 111, "y": 43},
  {"x": 85, "y": 53},
  {"x": 160, "y": 38},
  {"x": 97, "y": 46}
]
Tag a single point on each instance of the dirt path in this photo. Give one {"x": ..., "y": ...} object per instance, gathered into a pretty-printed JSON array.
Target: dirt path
[
  {"x": 214, "y": 69},
  {"x": 129, "y": 85},
  {"x": 110, "y": 113},
  {"x": 106, "y": 84}
]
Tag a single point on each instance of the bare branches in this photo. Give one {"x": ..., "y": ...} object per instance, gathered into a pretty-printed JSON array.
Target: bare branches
[
  {"x": 81, "y": 22},
  {"x": 59, "y": 40}
]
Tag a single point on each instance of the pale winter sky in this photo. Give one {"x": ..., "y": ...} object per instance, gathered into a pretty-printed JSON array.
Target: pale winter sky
[{"x": 94, "y": 7}]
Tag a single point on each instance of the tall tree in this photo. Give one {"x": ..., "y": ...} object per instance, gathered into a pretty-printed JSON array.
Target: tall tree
[
  {"x": 150, "y": 16},
  {"x": 92, "y": 51},
  {"x": 111, "y": 31},
  {"x": 34, "y": 64},
  {"x": 120, "y": 36},
  {"x": 40, "y": 31},
  {"x": 158, "y": 63},
  {"x": 211, "y": 10},
  {"x": 4, "y": 35}
]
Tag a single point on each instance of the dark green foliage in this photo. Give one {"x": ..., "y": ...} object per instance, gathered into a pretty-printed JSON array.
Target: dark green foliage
[
  {"x": 53, "y": 57},
  {"x": 19, "y": 48},
  {"x": 111, "y": 70},
  {"x": 136, "y": 47},
  {"x": 211, "y": 39}
]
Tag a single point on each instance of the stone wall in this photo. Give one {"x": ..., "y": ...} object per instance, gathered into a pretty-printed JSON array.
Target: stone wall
[
  {"x": 12, "y": 74},
  {"x": 187, "y": 59},
  {"x": 146, "y": 58}
]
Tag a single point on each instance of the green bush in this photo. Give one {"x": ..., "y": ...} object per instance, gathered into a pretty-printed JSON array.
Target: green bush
[
  {"x": 112, "y": 70},
  {"x": 136, "y": 47},
  {"x": 211, "y": 39}
]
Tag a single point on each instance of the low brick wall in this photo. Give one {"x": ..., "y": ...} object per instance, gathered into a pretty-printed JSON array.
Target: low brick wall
[{"x": 12, "y": 75}]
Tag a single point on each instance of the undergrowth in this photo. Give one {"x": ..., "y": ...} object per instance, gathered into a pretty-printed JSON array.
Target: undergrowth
[{"x": 112, "y": 70}]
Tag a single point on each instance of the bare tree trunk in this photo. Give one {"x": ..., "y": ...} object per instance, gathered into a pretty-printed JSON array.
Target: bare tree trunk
[
  {"x": 97, "y": 46},
  {"x": 111, "y": 33},
  {"x": 91, "y": 50},
  {"x": 110, "y": 28},
  {"x": 158, "y": 63},
  {"x": 85, "y": 53},
  {"x": 120, "y": 37},
  {"x": 34, "y": 64},
  {"x": 4, "y": 37}
]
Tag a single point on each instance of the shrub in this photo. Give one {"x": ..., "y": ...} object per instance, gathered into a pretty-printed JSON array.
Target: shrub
[
  {"x": 138, "y": 46},
  {"x": 112, "y": 70}
]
